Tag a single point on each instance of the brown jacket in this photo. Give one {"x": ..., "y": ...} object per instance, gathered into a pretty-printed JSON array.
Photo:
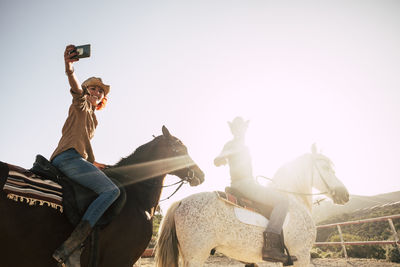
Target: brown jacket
[{"x": 78, "y": 129}]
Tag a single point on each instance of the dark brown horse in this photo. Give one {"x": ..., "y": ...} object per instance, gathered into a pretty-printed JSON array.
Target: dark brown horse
[{"x": 30, "y": 234}]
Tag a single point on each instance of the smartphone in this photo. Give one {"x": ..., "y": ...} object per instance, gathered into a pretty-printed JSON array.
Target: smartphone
[{"x": 83, "y": 51}]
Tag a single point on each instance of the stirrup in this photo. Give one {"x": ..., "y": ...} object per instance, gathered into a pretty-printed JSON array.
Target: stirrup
[{"x": 290, "y": 260}]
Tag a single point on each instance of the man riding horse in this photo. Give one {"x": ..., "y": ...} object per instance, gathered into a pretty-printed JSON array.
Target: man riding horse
[{"x": 237, "y": 155}]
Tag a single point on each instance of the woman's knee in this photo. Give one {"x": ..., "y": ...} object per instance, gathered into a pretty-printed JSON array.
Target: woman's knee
[
  {"x": 110, "y": 194},
  {"x": 115, "y": 192}
]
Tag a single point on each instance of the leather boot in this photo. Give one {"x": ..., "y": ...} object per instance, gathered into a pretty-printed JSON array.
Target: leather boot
[
  {"x": 72, "y": 246},
  {"x": 74, "y": 260},
  {"x": 273, "y": 249}
]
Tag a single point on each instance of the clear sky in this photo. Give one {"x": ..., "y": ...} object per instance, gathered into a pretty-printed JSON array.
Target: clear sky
[{"x": 300, "y": 71}]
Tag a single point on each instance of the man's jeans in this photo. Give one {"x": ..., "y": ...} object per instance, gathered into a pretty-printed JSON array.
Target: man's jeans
[
  {"x": 71, "y": 164},
  {"x": 266, "y": 195}
]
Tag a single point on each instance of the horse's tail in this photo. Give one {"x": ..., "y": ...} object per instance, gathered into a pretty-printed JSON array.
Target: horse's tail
[
  {"x": 3, "y": 170},
  {"x": 166, "y": 249}
]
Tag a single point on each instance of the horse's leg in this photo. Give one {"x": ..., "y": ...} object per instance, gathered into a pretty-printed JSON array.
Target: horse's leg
[
  {"x": 194, "y": 255},
  {"x": 193, "y": 263},
  {"x": 300, "y": 233},
  {"x": 195, "y": 232}
]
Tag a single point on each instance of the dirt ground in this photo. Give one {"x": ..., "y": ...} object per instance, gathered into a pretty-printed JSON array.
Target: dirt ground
[{"x": 216, "y": 261}]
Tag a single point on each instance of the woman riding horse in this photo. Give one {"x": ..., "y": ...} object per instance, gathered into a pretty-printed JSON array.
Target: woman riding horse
[
  {"x": 237, "y": 155},
  {"x": 74, "y": 156}
]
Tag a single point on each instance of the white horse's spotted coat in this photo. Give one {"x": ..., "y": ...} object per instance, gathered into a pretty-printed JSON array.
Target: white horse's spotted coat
[{"x": 204, "y": 222}]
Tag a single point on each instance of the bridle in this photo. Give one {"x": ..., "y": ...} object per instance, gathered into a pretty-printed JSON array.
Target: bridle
[
  {"x": 330, "y": 191},
  {"x": 190, "y": 176},
  {"x": 187, "y": 179}
]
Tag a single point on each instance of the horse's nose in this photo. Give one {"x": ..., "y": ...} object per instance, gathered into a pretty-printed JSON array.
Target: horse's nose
[
  {"x": 341, "y": 195},
  {"x": 200, "y": 176}
]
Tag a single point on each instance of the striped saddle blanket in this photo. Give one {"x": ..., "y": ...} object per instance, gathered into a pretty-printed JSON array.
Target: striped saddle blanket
[
  {"x": 67, "y": 197},
  {"x": 24, "y": 186}
]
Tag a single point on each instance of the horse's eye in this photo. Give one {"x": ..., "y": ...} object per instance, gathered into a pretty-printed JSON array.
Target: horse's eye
[
  {"x": 179, "y": 142},
  {"x": 327, "y": 168}
]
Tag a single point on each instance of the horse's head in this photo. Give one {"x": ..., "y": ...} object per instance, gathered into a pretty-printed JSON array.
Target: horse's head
[
  {"x": 325, "y": 180},
  {"x": 175, "y": 155}
]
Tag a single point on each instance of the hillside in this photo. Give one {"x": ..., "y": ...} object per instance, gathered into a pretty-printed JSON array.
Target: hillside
[
  {"x": 326, "y": 209},
  {"x": 366, "y": 230},
  {"x": 369, "y": 231}
]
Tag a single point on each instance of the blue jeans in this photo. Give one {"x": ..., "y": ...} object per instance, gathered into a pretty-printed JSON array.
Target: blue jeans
[
  {"x": 86, "y": 174},
  {"x": 268, "y": 196}
]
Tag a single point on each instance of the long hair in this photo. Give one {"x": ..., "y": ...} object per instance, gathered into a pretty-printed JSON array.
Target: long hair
[{"x": 102, "y": 104}]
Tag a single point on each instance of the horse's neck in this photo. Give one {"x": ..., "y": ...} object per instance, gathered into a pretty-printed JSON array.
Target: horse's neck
[
  {"x": 296, "y": 177},
  {"x": 146, "y": 190}
]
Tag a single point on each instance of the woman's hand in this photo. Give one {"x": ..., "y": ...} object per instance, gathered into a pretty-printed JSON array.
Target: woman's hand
[
  {"x": 69, "y": 69},
  {"x": 69, "y": 58},
  {"x": 100, "y": 166}
]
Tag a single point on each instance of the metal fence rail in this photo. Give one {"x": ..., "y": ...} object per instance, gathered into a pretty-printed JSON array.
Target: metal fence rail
[{"x": 343, "y": 243}]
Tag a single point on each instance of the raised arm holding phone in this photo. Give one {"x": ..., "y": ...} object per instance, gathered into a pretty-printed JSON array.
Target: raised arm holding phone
[{"x": 74, "y": 155}]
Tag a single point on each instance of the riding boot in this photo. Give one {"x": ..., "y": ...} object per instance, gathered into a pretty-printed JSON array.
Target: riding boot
[
  {"x": 74, "y": 260},
  {"x": 72, "y": 245},
  {"x": 273, "y": 249}
]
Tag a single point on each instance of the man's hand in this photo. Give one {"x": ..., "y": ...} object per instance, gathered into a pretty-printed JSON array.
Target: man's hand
[{"x": 219, "y": 161}]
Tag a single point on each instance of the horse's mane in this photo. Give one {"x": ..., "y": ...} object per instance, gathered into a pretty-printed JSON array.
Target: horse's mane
[
  {"x": 140, "y": 154},
  {"x": 126, "y": 171},
  {"x": 290, "y": 167},
  {"x": 297, "y": 165}
]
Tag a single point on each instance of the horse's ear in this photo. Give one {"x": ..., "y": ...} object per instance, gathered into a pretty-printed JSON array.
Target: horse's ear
[
  {"x": 314, "y": 148},
  {"x": 165, "y": 132}
]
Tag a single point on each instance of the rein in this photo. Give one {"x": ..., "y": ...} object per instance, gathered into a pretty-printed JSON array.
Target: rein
[
  {"x": 305, "y": 194},
  {"x": 291, "y": 192},
  {"x": 179, "y": 182},
  {"x": 176, "y": 190},
  {"x": 189, "y": 177}
]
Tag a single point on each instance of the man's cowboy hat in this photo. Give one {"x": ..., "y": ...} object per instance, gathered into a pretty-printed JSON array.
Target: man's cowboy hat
[
  {"x": 94, "y": 81},
  {"x": 238, "y": 123}
]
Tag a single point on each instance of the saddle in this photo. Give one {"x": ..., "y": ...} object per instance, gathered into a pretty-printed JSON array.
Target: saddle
[
  {"x": 242, "y": 201},
  {"x": 235, "y": 198},
  {"x": 74, "y": 198}
]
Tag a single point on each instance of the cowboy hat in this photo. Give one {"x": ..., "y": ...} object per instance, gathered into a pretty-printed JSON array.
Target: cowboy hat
[
  {"x": 94, "y": 81},
  {"x": 238, "y": 123}
]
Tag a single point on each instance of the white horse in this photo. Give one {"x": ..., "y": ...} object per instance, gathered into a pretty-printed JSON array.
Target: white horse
[{"x": 201, "y": 222}]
